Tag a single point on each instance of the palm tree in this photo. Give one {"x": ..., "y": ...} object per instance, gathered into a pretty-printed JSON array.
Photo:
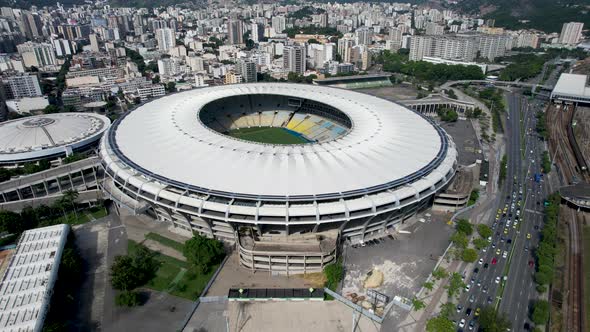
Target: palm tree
[{"x": 69, "y": 199}]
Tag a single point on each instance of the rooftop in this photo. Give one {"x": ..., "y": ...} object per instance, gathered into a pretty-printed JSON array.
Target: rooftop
[
  {"x": 571, "y": 85},
  {"x": 26, "y": 287},
  {"x": 45, "y": 135},
  {"x": 388, "y": 146}
]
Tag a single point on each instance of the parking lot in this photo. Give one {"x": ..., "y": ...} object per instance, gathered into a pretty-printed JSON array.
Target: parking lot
[{"x": 405, "y": 261}]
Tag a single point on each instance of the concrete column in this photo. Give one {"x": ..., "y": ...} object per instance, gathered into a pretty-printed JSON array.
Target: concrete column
[
  {"x": 287, "y": 264},
  {"x": 83, "y": 179},
  {"x": 20, "y": 197},
  {"x": 315, "y": 228}
]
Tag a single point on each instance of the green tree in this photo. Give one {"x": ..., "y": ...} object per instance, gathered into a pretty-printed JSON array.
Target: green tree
[
  {"x": 492, "y": 321},
  {"x": 131, "y": 271},
  {"x": 440, "y": 324},
  {"x": 203, "y": 252},
  {"x": 50, "y": 109},
  {"x": 418, "y": 305},
  {"x": 333, "y": 274},
  {"x": 484, "y": 230},
  {"x": 127, "y": 299},
  {"x": 123, "y": 276},
  {"x": 171, "y": 87},
  {"x": 460, "y": 240},
  {"x": 9, "y": 221},
  {"x": 464, "y": 226},
  {"x": 480, "y": 243},
  {"x": 428, "y": 285},
  {"x": 440, "y": 273},
  {"x": 447, "y": 309},
  {"x": 540, "y": 314},
  {"x": 451, "y": 94},
  {"x": 455, "y": 284},
  {"x": 469, "y": 255}
]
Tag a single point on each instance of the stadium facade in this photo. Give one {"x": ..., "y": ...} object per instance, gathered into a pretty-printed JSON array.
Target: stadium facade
[{"x": 365, "y": 166}]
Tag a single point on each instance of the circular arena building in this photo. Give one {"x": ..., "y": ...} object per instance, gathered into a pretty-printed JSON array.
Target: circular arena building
[
  {"x": 49, "y": 136},
  {"x": 282, "y": 169}
]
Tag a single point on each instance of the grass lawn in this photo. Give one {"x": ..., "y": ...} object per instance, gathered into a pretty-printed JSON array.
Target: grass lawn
[
  {"x": 98, "y": 212},
  {"x": 586, "y": 232},
  {"x": 268, "y": 135},
  {"x": 176, "y": 277},
  {"x": 166, "y": 241}
]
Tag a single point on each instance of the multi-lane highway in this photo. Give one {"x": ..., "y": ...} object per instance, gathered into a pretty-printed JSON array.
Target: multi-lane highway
[{"x": 503, "y": 278}]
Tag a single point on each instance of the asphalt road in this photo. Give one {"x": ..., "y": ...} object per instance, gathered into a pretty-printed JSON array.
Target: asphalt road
[{"x": 506, "y": 257}]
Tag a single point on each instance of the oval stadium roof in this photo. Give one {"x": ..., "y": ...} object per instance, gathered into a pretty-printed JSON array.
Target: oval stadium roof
[
  {"x": 164, "y": 139},
  {"x": 43, "y": 136}
]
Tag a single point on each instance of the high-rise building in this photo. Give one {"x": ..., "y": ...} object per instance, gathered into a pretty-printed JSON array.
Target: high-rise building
[
  {"x": 166, "y": 39},
  {"x": 232, "y": 78},
  {"x": 94, "y": 43},
  {"x": 571, "y": 33},
  {"x": 235, "y": 32},
  {"x": 21, "y": 86},
  {"x": 294, "y": 59},
  {"x": 492, "y": 46},
  {"x": 64, "y": 47},
  {"x": 527, "y": 39},
  {"x": 247, "y": 69},
  {"x": 364, "y": 36},
  {"x": 257, "y": 32},
  {"x": 30, "y": 25},
  {"x": 434, "y": 29},
  {"x": 37, "y": 54},
  {"x": 279, "y": 23},
  {"x": 444, "y": 47},
  {"x": 345, "y": 46}
]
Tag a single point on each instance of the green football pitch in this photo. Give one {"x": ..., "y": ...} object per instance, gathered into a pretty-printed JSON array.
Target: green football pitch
[{"x": 268, "y": 135}]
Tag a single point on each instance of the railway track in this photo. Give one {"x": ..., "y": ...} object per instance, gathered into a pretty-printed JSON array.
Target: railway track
[{"x": 571, "y": 170}]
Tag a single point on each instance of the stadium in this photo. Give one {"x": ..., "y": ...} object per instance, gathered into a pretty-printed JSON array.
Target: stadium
[
  {"x": 285, "y": 171},
  {"x": 49, "y": 136}
]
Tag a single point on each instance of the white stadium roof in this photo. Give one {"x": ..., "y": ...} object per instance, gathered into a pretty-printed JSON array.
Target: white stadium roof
[
  {"x": 164, "y": 139},
  {"x": 43, "y": 136},
  {"x": 27, "y": 284}
]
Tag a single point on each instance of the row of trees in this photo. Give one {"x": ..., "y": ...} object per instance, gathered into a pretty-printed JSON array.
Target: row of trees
[
  {"x": 494, "y": 100},
  {"x": 426, "y": 71},
  {"x": 28, "y": 168},
  {"x": 66, "y": 290},
  {"x": 461, "y": 241},
  {"x": 29, "y": 217},
  {"x": 524, "y": 66},
  {"x": 546, "y": 162},
  {"x": 545, "y": 252},
  {"x": 542, "y": 125}
]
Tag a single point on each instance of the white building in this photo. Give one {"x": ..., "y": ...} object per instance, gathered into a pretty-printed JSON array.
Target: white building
[
  {"x": 64, "y": 47},
  {"x": 37, "y": 54},
  {"x": 571, "y": 33},
  {"x": 279, "y": 23},
  {"x": 195, "y": 63},
  {"x": 247, "y": 69},
  {"x": 166, "y": 39},
  {"x": 153, "y": 91},
  {"x": 170, "y": 67},
  {"x": 20, "y": 86},
  {"x": 28, "y": 104},
  {"x": 200, "y": 81},
  {"x": 294, "y": 58},
  {"x": 481, "y": 66},
  {"x": 28, "y": 282}
]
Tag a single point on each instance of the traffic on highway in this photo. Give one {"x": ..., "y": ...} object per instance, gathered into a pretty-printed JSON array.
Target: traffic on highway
[{"x": 503, "y": 276}]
